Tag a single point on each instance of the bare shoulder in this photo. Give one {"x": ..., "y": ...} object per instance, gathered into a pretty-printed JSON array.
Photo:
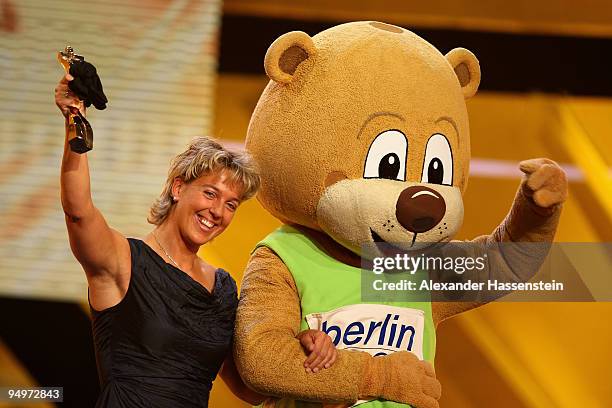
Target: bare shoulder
[
  {"x": 208, "y": 274},
  {"x": 207, "y": 268}
]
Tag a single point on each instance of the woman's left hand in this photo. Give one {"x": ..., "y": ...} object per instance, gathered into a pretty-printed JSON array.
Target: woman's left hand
[
  {"x": 65, "y": 99},
  {"x": 322, "y": 350}
]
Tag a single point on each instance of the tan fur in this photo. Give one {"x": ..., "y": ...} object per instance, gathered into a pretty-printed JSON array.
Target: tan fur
[
  {"x": 328, "y": 109},
  {"x": 329, "y": 98},
  {"x": 266, "y": 348}
]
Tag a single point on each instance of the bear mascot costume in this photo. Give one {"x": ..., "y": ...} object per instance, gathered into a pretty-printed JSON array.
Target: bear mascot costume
[{"x": 362, "y": 137}]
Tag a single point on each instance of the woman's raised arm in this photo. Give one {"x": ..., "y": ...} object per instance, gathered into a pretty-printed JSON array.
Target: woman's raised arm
[{"x": 103, "y": 252}]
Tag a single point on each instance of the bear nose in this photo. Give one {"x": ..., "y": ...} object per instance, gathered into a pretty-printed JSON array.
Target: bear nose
[{"x": 419, "y": 208}]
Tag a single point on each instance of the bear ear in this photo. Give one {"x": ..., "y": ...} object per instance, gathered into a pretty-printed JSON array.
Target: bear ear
[
  {"x": 466, "y": 68},
  {"x": 286, "y": 53}
]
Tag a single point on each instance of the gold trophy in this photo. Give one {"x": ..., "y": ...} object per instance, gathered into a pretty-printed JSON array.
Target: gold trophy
[{"x": 80, "y": 133}]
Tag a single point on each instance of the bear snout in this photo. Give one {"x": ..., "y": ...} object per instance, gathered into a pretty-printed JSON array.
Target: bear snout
[{"x": 419, "y": 208}]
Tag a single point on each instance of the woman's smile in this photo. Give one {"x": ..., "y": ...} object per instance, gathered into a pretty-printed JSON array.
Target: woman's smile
[{"x": 205, "y": 224}]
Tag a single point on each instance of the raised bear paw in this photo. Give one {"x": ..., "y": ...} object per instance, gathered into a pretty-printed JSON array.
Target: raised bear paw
[{"x": 544, "y": 182}]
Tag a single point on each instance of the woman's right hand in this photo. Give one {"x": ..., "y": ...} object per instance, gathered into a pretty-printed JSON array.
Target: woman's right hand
[
  {"x": 322, "y": 350},
  {"x": 65, "y": 99}
]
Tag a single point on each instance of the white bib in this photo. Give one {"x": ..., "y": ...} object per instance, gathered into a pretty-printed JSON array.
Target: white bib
[{"x": 375, "y": 329}]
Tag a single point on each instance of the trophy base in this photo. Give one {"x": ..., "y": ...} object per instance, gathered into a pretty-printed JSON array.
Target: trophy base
[
  {"x": 82, "y": 142},
  {"x": 79, "y": 145}
]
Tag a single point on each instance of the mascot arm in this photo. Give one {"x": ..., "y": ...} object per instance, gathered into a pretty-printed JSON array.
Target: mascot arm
[
  {"x": 533, "y": 217},
  {"x": 268, "y": 355},
  {"x": 271, "y": 360}
]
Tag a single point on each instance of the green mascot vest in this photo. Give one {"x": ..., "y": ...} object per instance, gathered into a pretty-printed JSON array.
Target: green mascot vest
[{"x": 330, "y": 298}]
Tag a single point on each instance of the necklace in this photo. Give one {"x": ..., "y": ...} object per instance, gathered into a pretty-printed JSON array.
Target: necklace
[{"x": 165, "y": 252}]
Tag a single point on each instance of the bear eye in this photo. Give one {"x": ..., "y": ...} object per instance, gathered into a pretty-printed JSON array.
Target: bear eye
[
  {"x": 438, "y": 164},
  {"x": 387, "y": 156}
]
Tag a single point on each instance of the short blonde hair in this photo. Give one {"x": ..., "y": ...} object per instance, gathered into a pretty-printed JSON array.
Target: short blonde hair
[{"x": 204, "y": 155}]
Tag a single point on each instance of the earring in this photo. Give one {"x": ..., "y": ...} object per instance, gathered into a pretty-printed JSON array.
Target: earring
[{"x": 175, "y": 199}]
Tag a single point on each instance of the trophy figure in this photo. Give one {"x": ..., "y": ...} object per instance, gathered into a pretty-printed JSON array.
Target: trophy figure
[{"x": 88, "y": 88}]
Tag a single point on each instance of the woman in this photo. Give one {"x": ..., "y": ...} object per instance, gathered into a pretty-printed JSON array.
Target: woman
[{"x": 163, "y": 317}]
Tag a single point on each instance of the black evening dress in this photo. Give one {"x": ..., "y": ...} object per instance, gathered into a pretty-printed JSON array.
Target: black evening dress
[{"x": 164, "y": 343}]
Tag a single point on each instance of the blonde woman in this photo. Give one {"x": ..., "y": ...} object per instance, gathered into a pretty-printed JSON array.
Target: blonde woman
[{"x": 163, "y": 318}]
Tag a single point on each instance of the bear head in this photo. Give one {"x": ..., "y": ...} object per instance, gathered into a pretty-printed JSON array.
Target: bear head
[{"x": 362, "y": 133}]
